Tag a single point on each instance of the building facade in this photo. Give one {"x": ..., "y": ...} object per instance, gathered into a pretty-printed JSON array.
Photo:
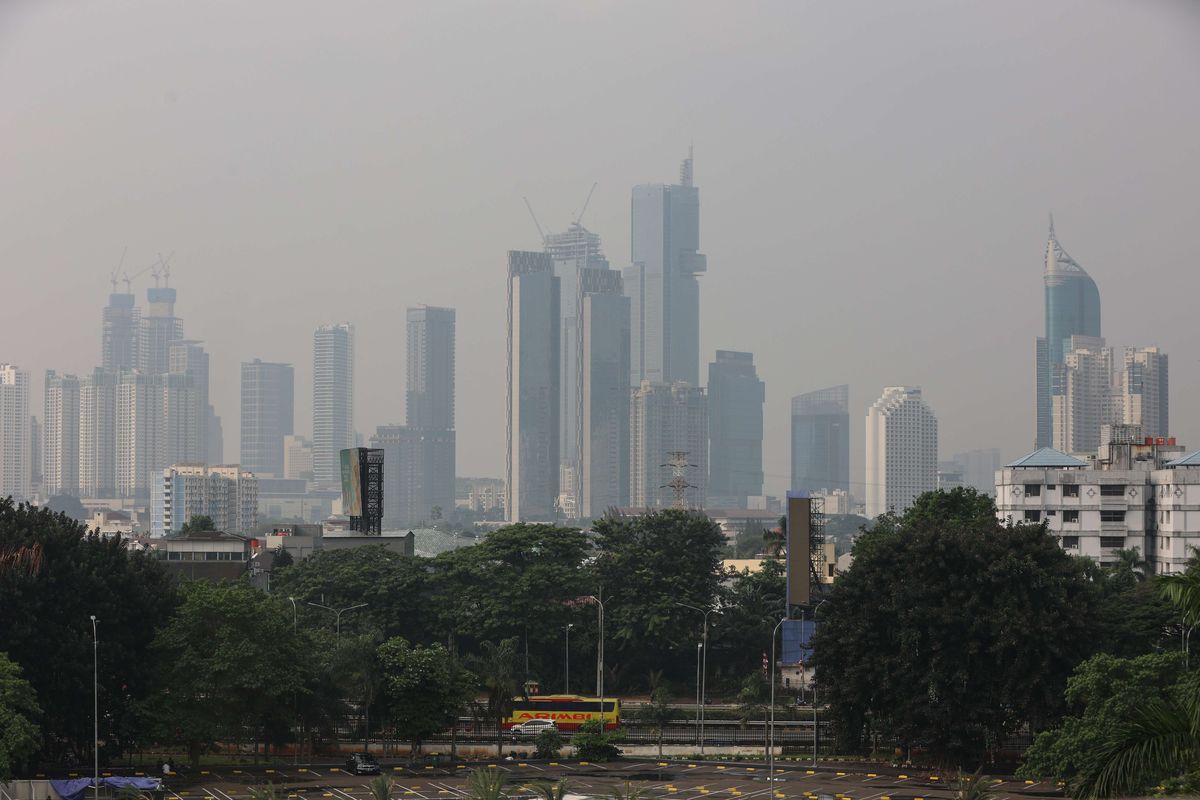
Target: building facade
[
  {"x": 821, "y": 440},
  {"x": 157, "y": 329},
  {"x": 602, "y": 429},
  {"x": 662, "y": 284},
  {"x": 15, "y": 469},
  {"x": 1072, "y": 304},
  {"x": 227, "y": 494},
  {"x": 333, "y": 400},
  {"x": 668, "y": 435},
  {"x": 297, "y": 458},
  {"x": 98, "y": 433},
  {"x": 120, "y": 323},
  {"x": 735, "y": 430},
  {"x": 901, "y": 457},
  {"x": 60, "y": 435},
  {"x": 267, "y": 416},
  {"x": 531, "y": 471}
]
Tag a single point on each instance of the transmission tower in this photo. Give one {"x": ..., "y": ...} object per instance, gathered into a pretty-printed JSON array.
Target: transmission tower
[{"x": 679, "y": 482}]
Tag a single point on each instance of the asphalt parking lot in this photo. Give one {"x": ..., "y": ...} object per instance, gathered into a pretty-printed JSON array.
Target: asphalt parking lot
[{"x": 663, "y": 780}]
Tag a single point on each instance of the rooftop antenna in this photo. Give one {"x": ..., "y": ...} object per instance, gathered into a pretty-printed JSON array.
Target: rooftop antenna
[
  {"x": 582, "y": 211},
  {"x": 112, "y": 278},
  {"x": 536, "y": 224},
  {"x": 1051, "y": 224}
]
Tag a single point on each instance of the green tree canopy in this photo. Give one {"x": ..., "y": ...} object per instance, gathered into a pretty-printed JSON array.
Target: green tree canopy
[
  {"x": 19, "y": 714},
  {"x": 951, "y": 630},
  {"x": 199, "y": 523},
  {"x": 423, "y": 688}
]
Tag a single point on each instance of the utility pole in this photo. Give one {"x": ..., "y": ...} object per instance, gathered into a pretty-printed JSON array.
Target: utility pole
[{"x": 679, "y": 483}]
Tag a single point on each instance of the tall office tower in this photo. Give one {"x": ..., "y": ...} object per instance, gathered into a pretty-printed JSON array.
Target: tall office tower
[
  {"x": 593, "y": 410},
  {"x": 35, "y": 456},
  {"x": 98, "y": 433},
  {"x": 298, "y": 460},
  {"x": 226, "y": 494},
  {"x": 661, "y": 285},
  {"x": 268, "y": 406},
  {"x": 60, "y": 435},
  {"x": 187, "y": 357},
  {"x": 157, "y": 329},
  {"x": 138, "y": 428},
  {"x": 821, "y": 440},
  {"x": 178, "y": 437},
  {"x": 531, "y": 472},
  {"x": 1072, "y": 309},
  {"x": 333, "y": 400},
  {"x": 14, "y": 432},
  {"x": 978, "y": 468},
  {"x": 430, "y": 413},
  {"x": 119, "y": 333},
  {"x": 735, "y": 430},
  {"x": 901, "y": 450},
  {"x": 668, "y": 425},
  {"x": 1144, "y": 396},
  {"x": 216, "y": 438}
]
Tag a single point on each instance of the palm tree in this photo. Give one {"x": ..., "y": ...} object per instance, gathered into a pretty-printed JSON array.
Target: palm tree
[
  {"x": 552, "y": 791},
  {"x": 381, "y": 788},
  {"x": 973, "y": 787},
  {"x": 486, "y": 784},
  {"x": 496, "y": 666},
  {"x": 658, "y": 714},
  {"x": 628, "y": 791},
  {"x": 23, "y": 560},
  {"x": 1130, "y": 561},
  {"x": 268, "y": 792}
]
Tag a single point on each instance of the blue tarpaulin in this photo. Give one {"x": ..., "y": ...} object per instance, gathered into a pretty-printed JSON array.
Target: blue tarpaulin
[{"x": 74, "y": 788}]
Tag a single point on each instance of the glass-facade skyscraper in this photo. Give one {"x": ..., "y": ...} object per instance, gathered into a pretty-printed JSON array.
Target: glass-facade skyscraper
[
  {"x": 661, "y": 285},
  {"x": 333, "y": 400},
  {"x": 735, "y": 430},
  {"x": 821, "y": 440},
  {"x": 268, "y": 415},
  {"x": 1072, "y": 309}
]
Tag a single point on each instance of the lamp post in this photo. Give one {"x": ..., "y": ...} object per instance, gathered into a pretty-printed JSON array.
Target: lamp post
[
  {"x": 567, "y": 659},
  {"x": 703, "y": 666},
  {"x": 771, "y": 723},
  {"x": 337, "y": 612},
  {"x": 293, "y": 601},
  {"x": 599, "y": 651},
  {"x": 816, "y": 729},
  {"x": 699, "y": 647},
  {"x": 95, "y": 708}
]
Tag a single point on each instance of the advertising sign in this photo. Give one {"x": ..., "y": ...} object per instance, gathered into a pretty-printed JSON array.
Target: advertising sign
[{"x": 351, "y": 483}]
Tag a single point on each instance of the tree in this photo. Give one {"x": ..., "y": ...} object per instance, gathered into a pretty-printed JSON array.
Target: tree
[
  {"x": 558, "y": 790},
  {"x": 973, "y": 787},
  {"x": 423, "y": 688},
  {"x": 230, "y": 662},
  {"x": 496, "y": 666},
  {"x": 486, "y": 784},
  {"x": 1130, "y": 561},
  {"x": 19, "y": 713},
  {"x": 199, "y": 523},
  {"x": 381, "y": 788},
  {"x": 592, "y": 743},
  {"x": 627, "y": 791},
  {"x": 647, "y": 565},
  {"x": 949, "y": 632},
  {"x": 751, "y": 604},
  {"x": 547, "y": 744},
  {"x": 658, "y": 714},
  {"x": 57, "y": 576}
]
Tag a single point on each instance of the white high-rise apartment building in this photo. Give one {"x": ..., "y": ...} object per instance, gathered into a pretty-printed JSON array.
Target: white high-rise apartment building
[
  {"x": 228, "y": 494},
  {"x": 138, "y": 407},
  {"x": 333, "y": 400},
  {"x": 298, "y": 458},
  {"x": 60, "y": 435},
  {"x": 902, "y": 448},
  {"x": 98, "y": 433},
  {"x": 186, "y": 357},
  {"x": 14, "y": 432},
  {"x": 666, "y": 420}
]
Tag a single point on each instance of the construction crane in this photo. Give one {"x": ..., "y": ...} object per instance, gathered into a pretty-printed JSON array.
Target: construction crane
[
  {"x": 112, "y": 278},
  {"x": 162, "y": 270},
  {"x": 536, "y": 224},
  {"x": 129, "y": 278},
  {"x": 582, "y": 211}
]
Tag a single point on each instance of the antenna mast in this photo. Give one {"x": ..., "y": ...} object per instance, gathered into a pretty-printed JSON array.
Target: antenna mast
[{"x": 679, "y": 482}]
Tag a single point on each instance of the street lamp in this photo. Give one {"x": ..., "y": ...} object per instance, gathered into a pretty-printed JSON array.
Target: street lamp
[
  {"x": 699, "y": 647},
  {"x": 599, "y": 652},
  {"x": 293, "y": 600},
  {"x": 703, "y": 666},
  {"x": 337, "y": 612},
  {"x": 816, "y": 730},
  {"x": 771, "y": 724},
  {"x": 567, "y": 662},
  {"x": 95, "y": 708}
]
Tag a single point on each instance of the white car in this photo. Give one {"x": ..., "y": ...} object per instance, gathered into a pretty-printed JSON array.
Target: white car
[{"x": 532, "y": 727}]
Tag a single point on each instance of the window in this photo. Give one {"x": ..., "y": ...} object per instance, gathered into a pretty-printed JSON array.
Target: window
[
  {"x": 1051, "y": 513},
  {"x": 1070, "y": 515},
  {"x": 1112, "y": 516},
  {"x": 1112, "y": 490},
  {"x": 1033, "y": 490},
  {"x": 1033, "y": 516},
  {"x": 1070, "y": 542},
  {"x": 1112, "y": 541},
  {"x": 1071, "y": 490},
  {"x": 1050, "y": 487}
]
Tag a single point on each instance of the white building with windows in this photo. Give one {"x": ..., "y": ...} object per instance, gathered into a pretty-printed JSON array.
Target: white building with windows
[
  {"x": 14, "y": 433},
  {"x": 227, "y": 494},
  {"x": 902, "y": 446},
  {"x": 1138, "y": 492}
]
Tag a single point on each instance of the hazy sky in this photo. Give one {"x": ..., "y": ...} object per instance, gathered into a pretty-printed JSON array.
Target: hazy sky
[{"x": 874, "y": 183}]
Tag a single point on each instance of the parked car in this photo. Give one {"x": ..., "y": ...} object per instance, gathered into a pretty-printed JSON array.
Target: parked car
[
  {"x": 362, "y": 764},
  {"x": 531, "y": 728}
]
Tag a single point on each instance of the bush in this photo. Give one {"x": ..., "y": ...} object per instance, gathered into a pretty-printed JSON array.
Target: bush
[
  {"x": 548, "y": 743},
  {"x": 591, "y": 743}
]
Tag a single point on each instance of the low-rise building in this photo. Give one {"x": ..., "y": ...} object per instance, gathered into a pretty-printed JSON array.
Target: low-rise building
[{"x": 203, "y": 555}]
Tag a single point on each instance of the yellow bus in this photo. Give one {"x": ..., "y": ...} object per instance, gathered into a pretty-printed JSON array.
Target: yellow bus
[{"x": 568, "y": 711}]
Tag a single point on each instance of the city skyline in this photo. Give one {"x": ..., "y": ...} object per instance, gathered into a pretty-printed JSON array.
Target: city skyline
[{"x": 802, "y": 216}]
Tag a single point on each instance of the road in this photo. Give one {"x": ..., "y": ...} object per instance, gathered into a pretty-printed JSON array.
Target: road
[{"x": 663, "y": 780}]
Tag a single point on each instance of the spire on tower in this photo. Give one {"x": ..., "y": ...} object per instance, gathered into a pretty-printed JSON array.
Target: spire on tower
[
  {"x": 1051, "y": 224},
  {"x": 685, "y": 169}
]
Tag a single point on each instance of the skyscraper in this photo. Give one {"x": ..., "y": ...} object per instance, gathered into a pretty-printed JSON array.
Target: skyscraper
[
  {"x": 60, "y": 435},
  {"x": 98, "y": 433},
  {"x": 429, "y": 398},
  {"x": 119, "y": 333},
  {"x": 188, "y": 358},
  {"x": 1072, "y": 309},
  {"x": 268, "y": 409},
  {"x": 1144, "y": 390},
  {"x": 333, "y": 400},
  {"x": 531, "y": 472},
  {"x": 14, "y": 432},
  {"x": 157, "y": 329},
  {"x": 668, "y": 424},
  {"x": 593, "y": 400},
  {"x": 901, "y": 450},
  {"x": 661, "y": 283},
  {"x": 735, "y": 430},
  {"x": 821, "y": 440}
]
